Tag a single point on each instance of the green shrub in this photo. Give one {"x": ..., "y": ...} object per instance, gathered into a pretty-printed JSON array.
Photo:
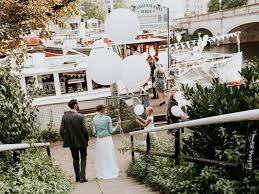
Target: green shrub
[
  {"x": 47, "y": 135},
  {"x": 226, "y": 142},
  {"x": 34, "y": 173},
  {"x": 17, "y": 116},
  {"x": 188, "y": 178}
]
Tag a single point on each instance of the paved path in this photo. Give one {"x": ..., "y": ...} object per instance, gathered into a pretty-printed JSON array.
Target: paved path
[{"x": 122, "y": 184}]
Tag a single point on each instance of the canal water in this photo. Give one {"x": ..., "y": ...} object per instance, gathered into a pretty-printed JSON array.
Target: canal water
[{"x": 250, "y": 50}]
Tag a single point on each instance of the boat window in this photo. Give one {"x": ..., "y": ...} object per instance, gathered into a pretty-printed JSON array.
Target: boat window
[
  {"x": 98, "y": 86},
  {"x": 73, "y": 82},
  {"x": 40, "y": 85}
]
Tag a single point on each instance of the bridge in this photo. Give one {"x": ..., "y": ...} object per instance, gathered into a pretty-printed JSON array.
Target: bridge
[{"x": 244, "y": 19}]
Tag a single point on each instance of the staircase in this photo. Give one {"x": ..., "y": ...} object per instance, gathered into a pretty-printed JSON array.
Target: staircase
[{"x": 121, "y": 185}]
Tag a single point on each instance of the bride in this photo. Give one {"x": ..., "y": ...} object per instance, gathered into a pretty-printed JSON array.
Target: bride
[{"x": 106, "y": 162}]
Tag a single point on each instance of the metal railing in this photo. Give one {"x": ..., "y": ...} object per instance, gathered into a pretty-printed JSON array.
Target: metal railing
[
  {"x": 243, "y": 10},
  {"x": 23, "y": 146},
  {"x": 250, "y": 115}
]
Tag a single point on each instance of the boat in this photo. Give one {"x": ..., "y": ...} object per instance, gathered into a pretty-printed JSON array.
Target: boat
[{"x": 198, "y": 66}]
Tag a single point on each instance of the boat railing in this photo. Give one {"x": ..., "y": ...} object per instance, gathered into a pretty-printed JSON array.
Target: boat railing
[{"x": 215, "y": 58}]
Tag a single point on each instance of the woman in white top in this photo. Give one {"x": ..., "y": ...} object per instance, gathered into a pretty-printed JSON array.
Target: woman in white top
[{"x": 149, "y": 122}]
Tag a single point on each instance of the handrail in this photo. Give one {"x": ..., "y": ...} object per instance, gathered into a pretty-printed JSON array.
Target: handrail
[
  {"x": 11, "y": 147},
  {"x": 221, "y": 13},
  {"x": 233, "y": 117}
]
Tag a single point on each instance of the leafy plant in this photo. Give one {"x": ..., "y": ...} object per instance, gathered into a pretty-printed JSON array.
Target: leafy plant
[
  {"x": 48, "y": 135},
  {"x": 18, "y": 18},
  {"x": 34, "y": 173},
  {"x": 93, "y": 9},
  {"x": 225, "y": 142},
  {"x": 226, "y": 4},
  {"x": 161, "y": 174},
  {"x": 215, "y": 140},
  {"x": 17, "y": 116}
]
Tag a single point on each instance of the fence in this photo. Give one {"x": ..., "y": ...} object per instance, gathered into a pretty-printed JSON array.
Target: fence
[
  {"x": 177, "y": 156},
  {"x": 15, "y": 147}
]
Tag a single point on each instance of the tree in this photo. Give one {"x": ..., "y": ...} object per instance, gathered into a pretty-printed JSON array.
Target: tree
[
  {"x": 92, "y": 9},
  {"x": 226, "y": 4},
  {"x": 18, "y": 18},
  {"x": 18, "y": 117},
  {"x": 120, "y": 4}
]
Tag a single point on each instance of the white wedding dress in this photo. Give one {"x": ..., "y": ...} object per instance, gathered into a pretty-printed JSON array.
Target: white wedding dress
[{"x": 106, "y": 162}]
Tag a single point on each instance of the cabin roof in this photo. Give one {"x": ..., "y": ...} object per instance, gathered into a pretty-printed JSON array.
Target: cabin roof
[{"x": 146, "y": 40}]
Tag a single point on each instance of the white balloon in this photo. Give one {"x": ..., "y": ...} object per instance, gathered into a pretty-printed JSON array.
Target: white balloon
[
  {"x": 205, "y": 38},
  {"x": 135, "y": 71},
  {"x": 139, "y": 109},
  {"x": 104, "y": 66},
  {"x": 145, "y": 55},
  {"x": 152, "y": 52},
  {"x": 177, "y": 111},
  {"x": 122, "y": 25}
]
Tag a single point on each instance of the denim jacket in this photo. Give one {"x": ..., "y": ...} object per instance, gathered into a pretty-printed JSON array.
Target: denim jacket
[{"x": 102, "y": 126}]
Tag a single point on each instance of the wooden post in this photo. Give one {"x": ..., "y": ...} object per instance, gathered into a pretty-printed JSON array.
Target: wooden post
[
  {"x": 15, "y": 156},
  {"x": 48, "y": 152},
  {"x": 177, "y": 147},
  {"x": 148, "y": 143},
  {"x": 132, "y": 148}
]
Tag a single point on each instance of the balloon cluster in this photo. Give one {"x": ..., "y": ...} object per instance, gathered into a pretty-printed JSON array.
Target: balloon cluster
[
  {"x": 177, "y": 110},
  {"x": 105, "y": 66}
]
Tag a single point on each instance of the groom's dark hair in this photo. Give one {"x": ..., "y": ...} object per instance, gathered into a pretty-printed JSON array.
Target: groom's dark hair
[{"x": 72, "y": 103}]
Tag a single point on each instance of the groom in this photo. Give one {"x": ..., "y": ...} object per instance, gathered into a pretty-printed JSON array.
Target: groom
[{"x": 75, "y": 136}]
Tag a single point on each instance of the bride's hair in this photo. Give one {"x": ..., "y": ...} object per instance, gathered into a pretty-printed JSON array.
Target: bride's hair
[{"x": 100, "y": 108}]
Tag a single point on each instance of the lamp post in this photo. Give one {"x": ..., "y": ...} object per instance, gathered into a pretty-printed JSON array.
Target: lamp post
[
  {"x": 165, "y": 4},
  {"x": 220, "y": 5},
  {"x": 168, "y": 38}
]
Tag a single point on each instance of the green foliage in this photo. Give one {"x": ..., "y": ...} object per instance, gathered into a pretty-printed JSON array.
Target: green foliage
[
  {"x": 187, "y": 178},
  {"x": 93, "y": 9},
  {"x": 48, "y": 135},
  {"x": 214, "y": 140},
  {"x": 120, "y": 4},
  {"x": 17, "y": 116},
  {"x": 130, "y": 125},
  {"x": 226, "y": 4},
  {"x": 34, "y": 173},
  {"x": 225, "y": 142},
  {"x": 18, "y": 18}
]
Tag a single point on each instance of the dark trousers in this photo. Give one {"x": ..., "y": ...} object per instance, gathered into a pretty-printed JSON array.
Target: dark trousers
[
  {"x": 79, "y": 169},
  {"x": 153, "y": 88}
]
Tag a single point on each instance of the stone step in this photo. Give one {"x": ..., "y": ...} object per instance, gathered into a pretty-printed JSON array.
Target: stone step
[{"x": 139, "y": 189}]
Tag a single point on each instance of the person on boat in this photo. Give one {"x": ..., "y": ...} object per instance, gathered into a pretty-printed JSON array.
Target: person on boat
[
  {"x": 106, "y": 161},
  {"x": 160, "y": 81},
  {"x": 147, "y": 123},
  {"x": 135, "y": 51},
  {"x": 75, "y": 136}
]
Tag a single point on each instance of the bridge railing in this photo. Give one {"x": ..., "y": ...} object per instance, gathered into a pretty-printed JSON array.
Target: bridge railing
[
  {"x": 238, "y": 11},
  {"x": 250, "y": 115}
]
